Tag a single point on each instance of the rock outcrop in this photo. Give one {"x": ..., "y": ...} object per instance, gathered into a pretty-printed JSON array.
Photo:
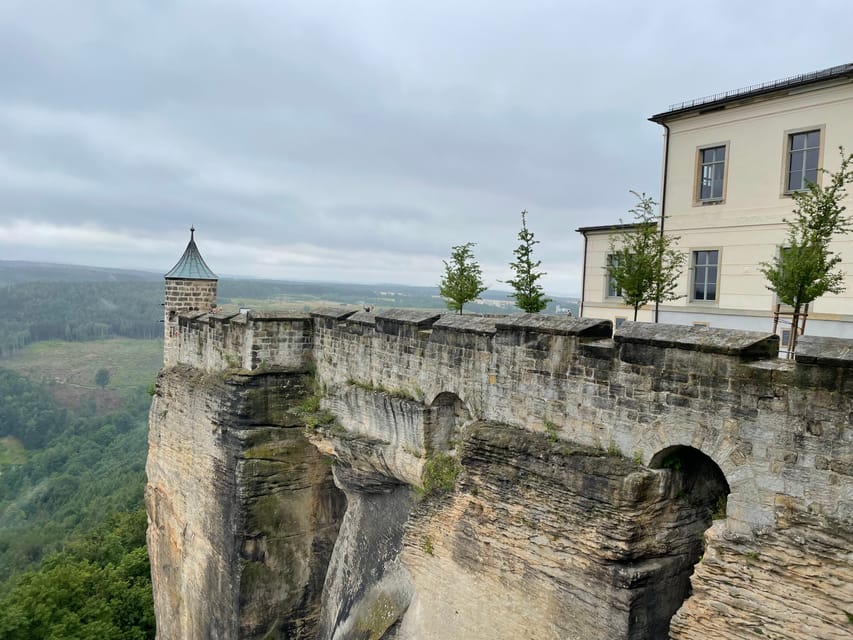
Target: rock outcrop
[
  {"x": 243, "y": 511},
  {"x": 524, "y": 477}
]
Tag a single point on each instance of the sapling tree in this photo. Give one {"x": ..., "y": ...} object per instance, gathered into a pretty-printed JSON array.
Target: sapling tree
[
  {"x": 102, "y": 378},
  {"x": 644, "y": 264},
  {"x": 806, "y": 268},
  {"x": 528, "y": 293},
  {"x": 462, "y": 280}
]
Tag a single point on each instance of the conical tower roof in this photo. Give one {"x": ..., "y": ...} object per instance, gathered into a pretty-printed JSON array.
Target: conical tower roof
[{"x": 191, "y": 266}]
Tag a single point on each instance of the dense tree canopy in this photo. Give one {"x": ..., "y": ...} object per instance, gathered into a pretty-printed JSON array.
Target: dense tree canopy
[{"x": 99, "y": 588}]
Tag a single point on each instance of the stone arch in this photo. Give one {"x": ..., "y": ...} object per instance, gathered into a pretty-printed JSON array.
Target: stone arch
[
  {"x": 447, "y": 415},
  {"x": 696, "y": 491},
  {"x": 697, "y": 474}
]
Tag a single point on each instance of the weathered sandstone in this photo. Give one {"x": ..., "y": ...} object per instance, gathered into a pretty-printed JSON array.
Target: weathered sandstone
[{"x": 590, "y": 468}]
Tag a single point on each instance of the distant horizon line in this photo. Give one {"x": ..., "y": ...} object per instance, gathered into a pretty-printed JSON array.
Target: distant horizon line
[{"x": 153, "y": 272}]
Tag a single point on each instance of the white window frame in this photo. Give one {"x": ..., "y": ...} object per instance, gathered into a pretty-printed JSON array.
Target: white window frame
[
  {"x": 694, "y": 254},
  {"x": 608, "y": 280},
  {"x": 787, "y": 154},
  {"x": 713, "y": 167}
]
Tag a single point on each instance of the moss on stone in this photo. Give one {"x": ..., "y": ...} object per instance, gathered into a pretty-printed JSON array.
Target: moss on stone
[{"x": 378, "y": 618}]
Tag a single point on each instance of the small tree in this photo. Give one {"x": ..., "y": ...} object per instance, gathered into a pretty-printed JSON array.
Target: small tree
[
  {"x": 805, "y": 268},
  {"x": 644, "y": 264},
  {"x": 529, "y": 295},
  {"x": 102, "y": 378},
  {"x": 462, "y": 280}
]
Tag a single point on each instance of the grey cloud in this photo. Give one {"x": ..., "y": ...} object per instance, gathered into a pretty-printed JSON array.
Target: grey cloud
[{"x": 350, "y": 133}]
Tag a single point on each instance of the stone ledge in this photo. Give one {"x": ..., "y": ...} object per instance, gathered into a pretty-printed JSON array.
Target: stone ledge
[
  {"x": 835, "y": 352},
  {"x": 409, "y": 316},
  {"x": 363, "y": 317},
  {"x": 333, "y": 313},
  {"x": 484, "y": 325},
  {"x": 221, "y": 318},
  {"x": 753, "y": 344},
  {"x": 556, "y": 325},
  {"x": 398, "y": 321},
  {"x": 276, "y": 315}
]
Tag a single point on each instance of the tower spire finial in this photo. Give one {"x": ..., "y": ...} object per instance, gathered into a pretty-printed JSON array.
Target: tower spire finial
[{"x": 192, "y": 232}]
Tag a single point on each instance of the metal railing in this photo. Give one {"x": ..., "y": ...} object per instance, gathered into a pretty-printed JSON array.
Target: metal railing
[{"x": 765, "y": 86}]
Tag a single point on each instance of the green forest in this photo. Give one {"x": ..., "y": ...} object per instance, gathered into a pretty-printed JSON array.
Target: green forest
[{"x": 76, "y": 363}]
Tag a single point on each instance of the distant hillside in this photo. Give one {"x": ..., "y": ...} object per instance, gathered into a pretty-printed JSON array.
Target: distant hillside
[
  {"x": 18, "y": 271},
  {"x": 74, "y": 296},
  {"x": 380, "y": 296}
]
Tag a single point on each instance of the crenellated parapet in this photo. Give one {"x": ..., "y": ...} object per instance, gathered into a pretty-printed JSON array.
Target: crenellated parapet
[
  {"x": 575, "y": 445},
  {"x": 250, "y": 341}
]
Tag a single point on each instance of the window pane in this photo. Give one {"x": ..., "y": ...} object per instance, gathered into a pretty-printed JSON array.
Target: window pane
[
  {"x": 811, "y": 159},
  {"x": 712, "y": 291},
  {"x": 717, "y": 190},
  {"x": 797, "y": 160},
  {"x": 795, "y": 180},
  {"x": 798, "y": 141},
  {"x": 813, "y": 139},
  {"x": 713, "y": 257},
  {"x": 721, "y": 153},
  {"x": 810, "y": 176}
]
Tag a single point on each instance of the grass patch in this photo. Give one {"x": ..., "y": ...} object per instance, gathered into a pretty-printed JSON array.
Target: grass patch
[
  {"x": 11, "y": 451},
  {"x": 397, "y": 392},
  {"x": 551, "y": 430},
  {"x": 719, "y": 512},
  {"x": 440, "y": 473},
  {"x": 68, "y": 368}
]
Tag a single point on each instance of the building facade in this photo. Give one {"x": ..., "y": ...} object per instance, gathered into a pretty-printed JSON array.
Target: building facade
[{"x": 731, "y": 163}]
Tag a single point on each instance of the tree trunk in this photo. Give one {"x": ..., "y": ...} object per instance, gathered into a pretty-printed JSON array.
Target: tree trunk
[{"x": 795, "y": 331}]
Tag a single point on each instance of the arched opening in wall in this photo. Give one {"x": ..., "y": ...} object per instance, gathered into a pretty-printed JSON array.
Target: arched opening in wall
[
  {"x": 697, "y": 492},
  {"x": 446, "y": 418},
  {"x": 700, "y": 478}
]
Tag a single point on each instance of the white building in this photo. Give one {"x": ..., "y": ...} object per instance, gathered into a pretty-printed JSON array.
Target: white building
[{"x": 731, "y": 162}]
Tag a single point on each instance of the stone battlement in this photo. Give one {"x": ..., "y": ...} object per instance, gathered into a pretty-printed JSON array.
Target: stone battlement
[
  {"x": 591, "y": 462},
  {"x": 774, "y": 427}
]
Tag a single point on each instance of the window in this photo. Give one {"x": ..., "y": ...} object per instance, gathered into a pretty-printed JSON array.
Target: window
[
  {"x": 712, "y": 169},
  {"x": 803, "y": 155},
  {"x": 613, "y": 290},
  {"x": 705, "y": 267}
]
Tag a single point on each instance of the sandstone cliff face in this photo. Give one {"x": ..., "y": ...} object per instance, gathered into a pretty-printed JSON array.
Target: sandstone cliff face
[
  {"x": 549, "y": 540},
  {"x": 243, "y": 512},
  {"x": 791, "y": 583},
  {"x": 550, "y": 531}
]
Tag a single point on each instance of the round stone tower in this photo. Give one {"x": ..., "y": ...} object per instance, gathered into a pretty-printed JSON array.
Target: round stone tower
[{"x": 190, "y": 288}]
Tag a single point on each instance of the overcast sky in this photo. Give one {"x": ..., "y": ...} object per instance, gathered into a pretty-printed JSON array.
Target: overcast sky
[{"x": 358, "y": 141}]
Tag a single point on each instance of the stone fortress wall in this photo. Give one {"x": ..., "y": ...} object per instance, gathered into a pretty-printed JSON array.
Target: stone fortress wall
[{"x": 507, "y": 394}]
